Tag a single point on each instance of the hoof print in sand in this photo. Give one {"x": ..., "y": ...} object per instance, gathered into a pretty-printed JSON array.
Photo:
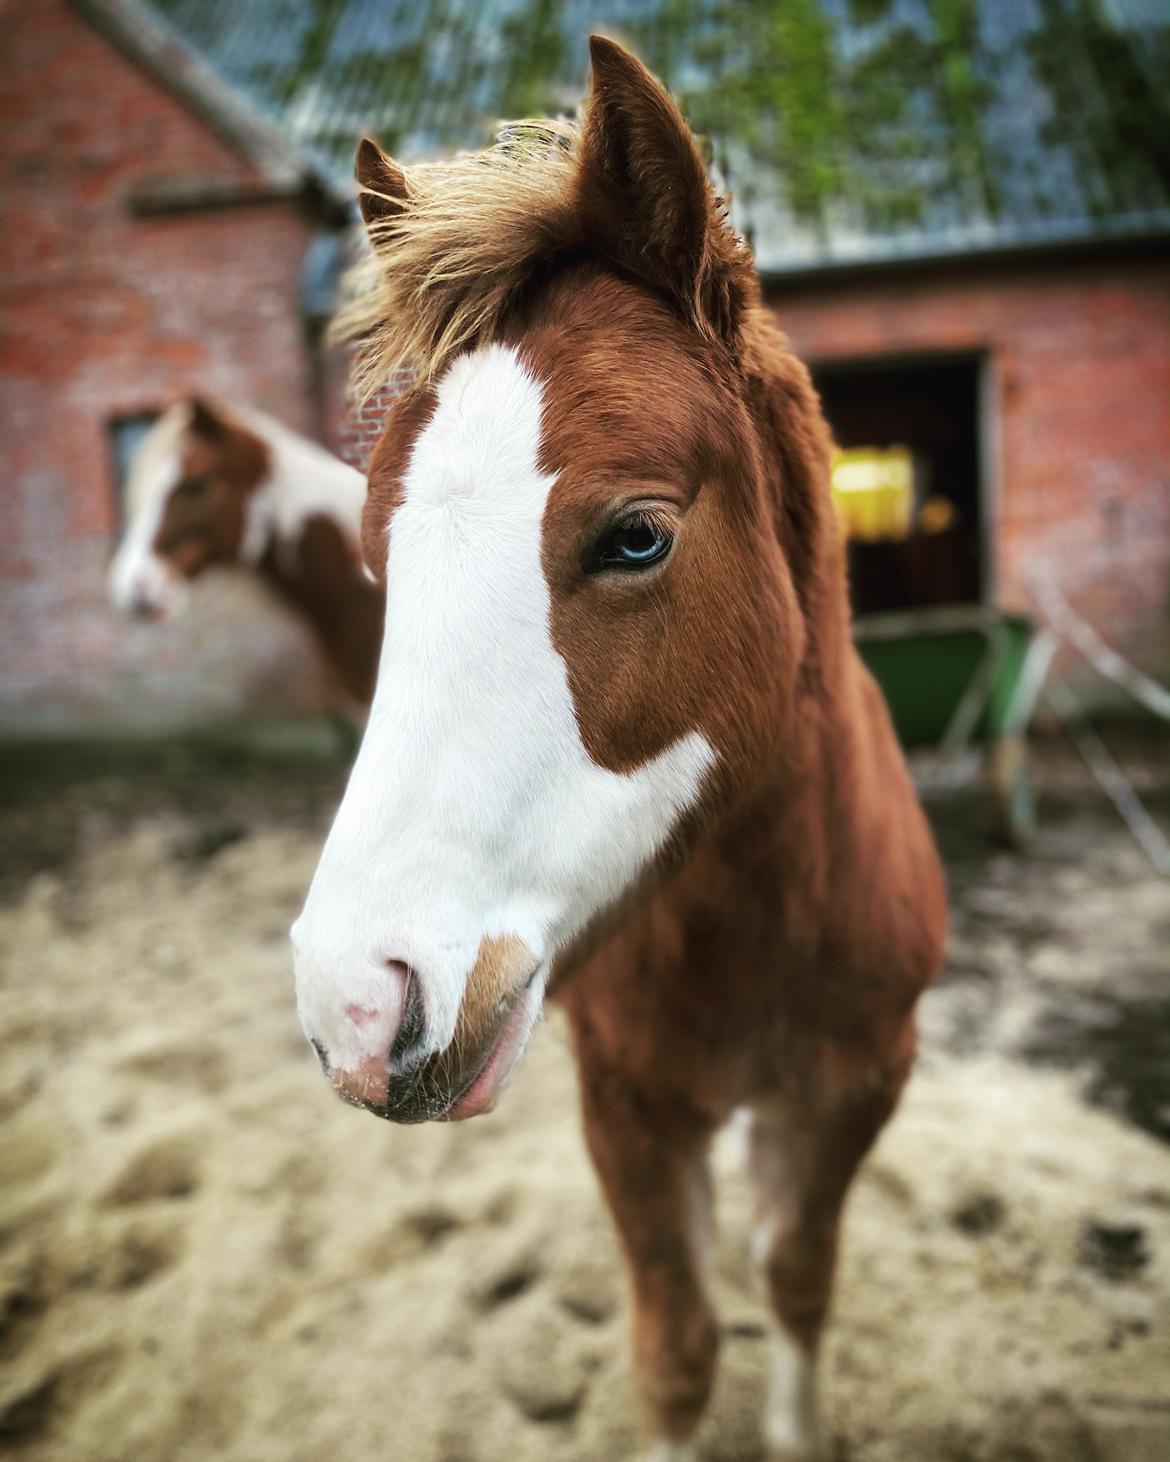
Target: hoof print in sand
[
  {"x": 589, "y": 1310},
  {"x": 23, "y": 1298},
  {"x": 1115, "y": 1251},
  {"x": 35, "y": 1409},
  {"x": 549, "y": 1394},
  {"x": 586, "y": 1291},
  {"x": 415, "y": 1233},
  {"x": 431, "y": 1225},
  {"x": 979, "y": 1215},
  {"x": 202, "y": 1068},
  {"x": 142, "y": 1255},
  {"x": 122, "y": 1261},
  {"x": 26, "y": 1415},
  {"x": 508, "y": 1283},
  {"x": 207, "y": 842},
  {"x": 166, "y": 1170}
]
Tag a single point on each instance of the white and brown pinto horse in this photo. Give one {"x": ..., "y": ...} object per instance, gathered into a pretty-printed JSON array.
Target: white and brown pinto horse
[
  {"x": 212, "y": 484},
  {"x": 621, "y": 748}
]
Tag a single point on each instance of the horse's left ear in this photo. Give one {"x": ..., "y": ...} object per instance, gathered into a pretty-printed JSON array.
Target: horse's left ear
[
  {"x": 645, "y": 196},
  {"x": 382, "y": 183},
  {"x": 206, "y": 421},
  {"x": 242, "y": 458}
]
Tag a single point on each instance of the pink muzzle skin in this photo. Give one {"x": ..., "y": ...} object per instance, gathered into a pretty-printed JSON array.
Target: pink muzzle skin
[
  {"x": 380, "y": 1084},
  {"x": 366, "y": 1085}
]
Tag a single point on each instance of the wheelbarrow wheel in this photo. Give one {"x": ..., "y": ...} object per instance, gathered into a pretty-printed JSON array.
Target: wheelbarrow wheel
[{"x": 1013, "y": 800}]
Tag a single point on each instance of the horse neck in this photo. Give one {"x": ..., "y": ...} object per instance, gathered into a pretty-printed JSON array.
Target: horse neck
[
  {"x": 837, "y": 745},
  {"x": 303, "y": 481},
  {"x": 320, "y": 573}
]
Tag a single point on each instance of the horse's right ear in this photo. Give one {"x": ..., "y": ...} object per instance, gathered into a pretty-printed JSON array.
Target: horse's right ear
[{"x": 382, "y": 181}]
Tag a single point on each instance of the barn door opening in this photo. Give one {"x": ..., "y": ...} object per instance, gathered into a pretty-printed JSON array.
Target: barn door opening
[{"x": 906, "y": 481}]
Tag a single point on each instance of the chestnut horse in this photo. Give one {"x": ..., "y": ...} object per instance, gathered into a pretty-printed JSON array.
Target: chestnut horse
[
  {"x": 217, "y": 485},
  {"x": 622, "y": 749}
]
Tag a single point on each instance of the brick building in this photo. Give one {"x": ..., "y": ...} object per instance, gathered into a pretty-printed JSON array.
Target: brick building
[
  {"x": 155, "y": 242},
  {"x": 964, "y": 230}
]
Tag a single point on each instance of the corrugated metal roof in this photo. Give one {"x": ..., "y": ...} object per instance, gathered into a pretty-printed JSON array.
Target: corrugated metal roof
[{"x": 847, "y": 131}]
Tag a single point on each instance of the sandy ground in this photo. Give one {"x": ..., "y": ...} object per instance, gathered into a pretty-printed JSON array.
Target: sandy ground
[{"x": 204, "y": 1254}]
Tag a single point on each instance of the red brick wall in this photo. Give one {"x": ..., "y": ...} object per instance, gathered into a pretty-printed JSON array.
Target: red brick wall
[
  {"x": 356, "y": 430},
  {"x": 1078, "y": 416},
  {"x": 104, "y": 314}
]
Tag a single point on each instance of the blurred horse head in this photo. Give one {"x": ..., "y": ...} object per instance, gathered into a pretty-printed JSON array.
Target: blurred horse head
[
  {"x": 216, "y": 485},
  {"x": 192, "y": 500}
]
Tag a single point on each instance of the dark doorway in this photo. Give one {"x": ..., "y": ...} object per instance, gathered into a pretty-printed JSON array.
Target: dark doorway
[{"x": 930, "y": 409}]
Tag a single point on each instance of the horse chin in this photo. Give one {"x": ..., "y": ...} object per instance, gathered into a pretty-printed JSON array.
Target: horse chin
[
  {"x": 153, "y": 611},
  {"x": 154, "y": 593},
  {"x": 172, "y": 601}
]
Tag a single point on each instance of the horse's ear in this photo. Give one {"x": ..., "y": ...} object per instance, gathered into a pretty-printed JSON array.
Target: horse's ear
[
  {"x": 645, "y": 195},
  {"x": 207, "y": 422},
  {"x": 242, "y": 459},
  {"x": 383, "y": 184}
]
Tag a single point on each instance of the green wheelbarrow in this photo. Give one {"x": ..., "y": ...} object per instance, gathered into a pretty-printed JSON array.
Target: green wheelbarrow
[{"x": 965, "y": 679}]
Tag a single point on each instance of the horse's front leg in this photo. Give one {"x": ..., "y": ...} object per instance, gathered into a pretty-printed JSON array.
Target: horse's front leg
[
  {"x": 652, "y": 1162},
  {"x": 805, "y": 1152}
]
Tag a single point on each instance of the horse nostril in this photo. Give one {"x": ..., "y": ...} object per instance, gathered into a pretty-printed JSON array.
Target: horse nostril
[
  {"x": 414, "y": 1019},
  {"x": 321, "y": 1056}
]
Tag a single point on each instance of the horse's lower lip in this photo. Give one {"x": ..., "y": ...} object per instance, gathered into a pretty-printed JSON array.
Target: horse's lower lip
[
  {"x": 479, "y": 1096},
  {"x": 419, "y": 1099}
]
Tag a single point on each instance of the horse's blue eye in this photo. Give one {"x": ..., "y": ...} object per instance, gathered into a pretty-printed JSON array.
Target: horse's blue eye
[{"x": 634, "y": 544}]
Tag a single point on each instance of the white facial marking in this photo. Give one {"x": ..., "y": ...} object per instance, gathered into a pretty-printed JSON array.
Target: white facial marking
[
  {"x": 790, "y": 1418},
  {"x": 473, "y": 809},
  {"x": 138, "y": 577}
]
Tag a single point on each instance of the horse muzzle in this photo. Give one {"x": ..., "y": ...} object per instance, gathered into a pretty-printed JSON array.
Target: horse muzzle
[
  {"x": 384, "y": 1051},
  {"x": 450, "y": 1085}
]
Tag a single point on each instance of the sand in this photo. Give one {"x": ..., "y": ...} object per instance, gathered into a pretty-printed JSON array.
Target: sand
[{"x": 206, "y": 1255}]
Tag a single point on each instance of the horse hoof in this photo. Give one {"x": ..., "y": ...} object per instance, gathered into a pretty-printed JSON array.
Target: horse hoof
[
  {"x": 664, "y": 1450},
  {"x": 784, "y": 1443}
]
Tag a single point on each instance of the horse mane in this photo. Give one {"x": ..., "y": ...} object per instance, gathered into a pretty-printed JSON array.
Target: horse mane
[{"x": 456, "y": 250}]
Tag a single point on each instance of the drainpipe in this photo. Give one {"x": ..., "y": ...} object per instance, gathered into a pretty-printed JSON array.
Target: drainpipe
[{"x": 325, "y": 260}]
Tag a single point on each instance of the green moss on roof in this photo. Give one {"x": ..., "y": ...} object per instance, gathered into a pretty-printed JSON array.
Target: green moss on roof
[{"x": 845, "y": 129}]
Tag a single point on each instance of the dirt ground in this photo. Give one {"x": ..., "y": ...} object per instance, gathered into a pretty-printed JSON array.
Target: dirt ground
[{"x": 203, "y": 1254}]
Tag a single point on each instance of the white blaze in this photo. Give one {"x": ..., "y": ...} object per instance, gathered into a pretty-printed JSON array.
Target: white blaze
[
  {"x": 138, "y": 576},
  {"x": 473, "y": 808}
]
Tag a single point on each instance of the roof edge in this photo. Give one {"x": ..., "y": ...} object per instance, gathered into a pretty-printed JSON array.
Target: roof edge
[
  {"x": 967, "y": 245},
  {"x": 157, "y": 48}
]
